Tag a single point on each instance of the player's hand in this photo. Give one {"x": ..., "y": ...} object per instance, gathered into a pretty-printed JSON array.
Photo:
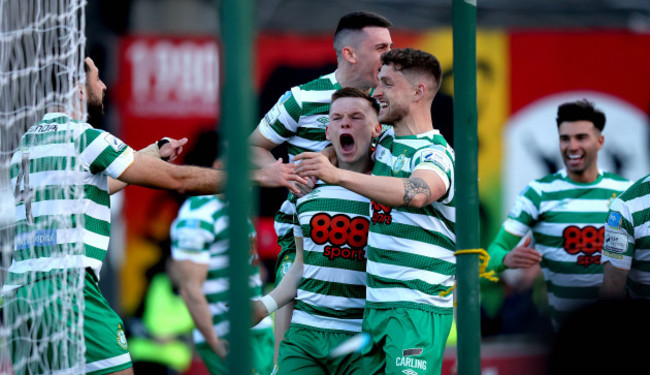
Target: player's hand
[
  {"x": 314, "y": 164},
  {"x": 279, "y": 174},
  {"x": 522, "y": 256},
  {"x": 222, "y": 348},
  {"x": 305, "y": 189},
  {"x": 170, "y": 151}
]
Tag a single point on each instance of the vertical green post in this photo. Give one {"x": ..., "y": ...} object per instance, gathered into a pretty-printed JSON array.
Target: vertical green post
[
  {"x": 238, "y": 113},
  {"x": 467, "y": 215}
]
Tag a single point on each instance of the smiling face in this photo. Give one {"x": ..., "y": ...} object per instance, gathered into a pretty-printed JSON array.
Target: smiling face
[
  {"x": 394, "y": 93},
  {"x": 373, "y": 41},
  {"x": 353, "y": 123},
  {"x": 580, "y": 142}
]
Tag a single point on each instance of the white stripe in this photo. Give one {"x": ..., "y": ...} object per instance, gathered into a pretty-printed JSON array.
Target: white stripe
[
  {"x": 316, "y": 96},
  {"x": 120, "y": 164},
  {"x": 69, "y": 207},
  {"x": 570, "y": 204},
  {"x": 45, "y": 264},
  {"x": 381, "y": 241},
  {"x": 332, "y": 302},
  {"x": 572, "y": 280},
  {"x": 334, "y": 275},
  {"x": 200, "y": 257},
  {"x": 46, "y": 178},
  {"x": 568, "y": 304},
  {"x": 308, "y": 144},
  {"x": 218, "y": 308},
  {"x": 325, "y": 322},
  {"x": 516, "y": 228},
  {"x": 109, "y": 362},
  {"x": 220, "y": 329},
  {"x": 52, "y": 150},
  {"x": 407, "y": 295},
  {"x": 220, "y": 285},
  {"x": 96, "y": 240},
  {"x": 641, "y": 277},
  {"x": 400, "y": 273}
]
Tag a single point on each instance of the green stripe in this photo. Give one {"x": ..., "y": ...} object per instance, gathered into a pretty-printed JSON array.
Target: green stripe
[
  {"x": 532, "y": 196},
  {"x": 641, "y": 265},
  {"x": 333, "y": 288},
  {"x": 292, "y": 108},
  {"x": 217, "y": 274},
  {"x": 352, "y": 207},
  {"x": 321, "y": 83},
  {"x": 295, "y": 150},
  {"x": 58, "y": 250},
  {"x": 204, "y": 225},
  {"x": 638, "y": 189},
  {"x": 380, "y": 282},
  {"x": 47, "y": 138},
  {"x": 574, "y": 217},
  {"x": 641, "y": 216},
  {"x": 104, "y": 159},
  {"x": 381, "y": 169},
  {"x": 281, "y": 130},
  {"x": 312, "y": 134},
  {"x": 282, "y": 218},
  {"x": 88, "y": 136},
  {"x": 311, "y": 109},
  {"x": 592, "y": 193},
  {"x": 327, "y": 312},
  {"x": 417, "y": 262},
  {"x": 414, "y": 233}
]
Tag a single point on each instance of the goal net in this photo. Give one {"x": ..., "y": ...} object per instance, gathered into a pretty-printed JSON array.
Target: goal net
[{"x": 42, "y": 46}]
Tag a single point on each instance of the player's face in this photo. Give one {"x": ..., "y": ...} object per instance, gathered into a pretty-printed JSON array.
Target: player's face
[
  {"x": 394, "y": 93},
  {"x": 353, "y": 124},
  {"x": 95, "y": 89},
  {"x": 375, "y": 41},
  {"x": 579, "y": 145}
]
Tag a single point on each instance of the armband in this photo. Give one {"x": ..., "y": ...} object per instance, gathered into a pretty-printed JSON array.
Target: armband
[{"x": 269, "y": 303}]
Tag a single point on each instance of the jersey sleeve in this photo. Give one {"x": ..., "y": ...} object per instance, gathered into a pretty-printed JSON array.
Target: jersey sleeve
[
  {"x": 618, "y": 244},
  {"x": 524, "y": 212},
  {"x": 191, "y": 238},
  {"x": 281, "y": 121},
  {"x": 101, "y": 152},
  {"x": 499, "y": 248},
  {"x": 437, "y": 159}
]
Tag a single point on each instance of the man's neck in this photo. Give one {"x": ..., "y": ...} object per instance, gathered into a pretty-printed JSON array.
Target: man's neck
[
  {"x": 363, "y": 165},
  {"x": 345, "y": 78},
  {"x": 586, "y": 177},
  {"x": 418, "y": 121}
]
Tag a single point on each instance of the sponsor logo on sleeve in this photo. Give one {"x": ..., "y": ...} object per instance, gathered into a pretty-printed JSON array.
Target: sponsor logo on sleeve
[
  {"x": 190, "y": 241},
  {"x": 115, "y": 143},
  {"x": 438, "y": 158},
  {"x": 615, "y": 242},
  {"x": 614, "y": 220}
]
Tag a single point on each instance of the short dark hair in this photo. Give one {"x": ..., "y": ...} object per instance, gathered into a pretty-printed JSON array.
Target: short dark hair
[
  {"x": 356, "y": 21},
  {"x": 580, "y": 110},
  {"x": 409, "y": 59},
  {"x": 360, "y": 19},
  {"x": 351, "y": 92}
]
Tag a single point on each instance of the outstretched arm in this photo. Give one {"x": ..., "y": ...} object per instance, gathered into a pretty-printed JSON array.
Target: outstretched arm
[
  {"x": 168, "y": 152},
  {"x": 192, "y": 276},
  {"x": 422, "y": 188}
]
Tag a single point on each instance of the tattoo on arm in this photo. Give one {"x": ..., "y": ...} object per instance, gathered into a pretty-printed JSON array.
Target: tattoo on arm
[{"x": 414, "y": 186}]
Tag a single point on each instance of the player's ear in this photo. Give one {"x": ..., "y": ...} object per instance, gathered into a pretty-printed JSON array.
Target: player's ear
[
  {"x": 349, "y": 55},
  {"x": 327, "y": 133},
  {"x": 601, "y": 141},
  {"x": 376, "y": 130},
  {"x": 420, "y": 91}
]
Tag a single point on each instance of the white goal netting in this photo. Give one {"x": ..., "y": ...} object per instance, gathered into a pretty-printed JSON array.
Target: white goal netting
[{"x": 42, "y": 46}]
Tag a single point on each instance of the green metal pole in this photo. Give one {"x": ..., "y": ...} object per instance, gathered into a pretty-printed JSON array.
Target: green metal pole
[
  {"x": 238, "y": 116},
  {"x": 467, "y": 216}
]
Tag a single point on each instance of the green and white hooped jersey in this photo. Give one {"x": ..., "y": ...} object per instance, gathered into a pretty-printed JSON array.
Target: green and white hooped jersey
[
  {"x": 301, "y": 116},
  {"x": 60, "y": 178},
  {"x": 333, "y": 223},
  {"x": 199, "y": 234},
  {"x": 411, "y": 251},
  {"x": 627, "y": 237},
  {"x": 567, "y": 221}
]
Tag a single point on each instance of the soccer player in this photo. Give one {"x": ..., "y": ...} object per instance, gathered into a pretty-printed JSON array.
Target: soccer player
[
  {"x": 300, "y": 117},
  {"x": 626, "y": 244},
  {"x": 200, "y": 249},
  {"x": 331, "y": 231},
  {"x": 49, "y": 220},
  {"x": 566, "y": 212},
  {"x": 411, "y": 241}
]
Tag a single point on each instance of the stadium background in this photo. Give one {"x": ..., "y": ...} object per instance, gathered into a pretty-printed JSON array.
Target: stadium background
[{"x": 161, "y": 63}]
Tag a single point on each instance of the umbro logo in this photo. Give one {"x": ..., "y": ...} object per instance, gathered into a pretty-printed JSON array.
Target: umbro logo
[{"x": 408, "y": 371}]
